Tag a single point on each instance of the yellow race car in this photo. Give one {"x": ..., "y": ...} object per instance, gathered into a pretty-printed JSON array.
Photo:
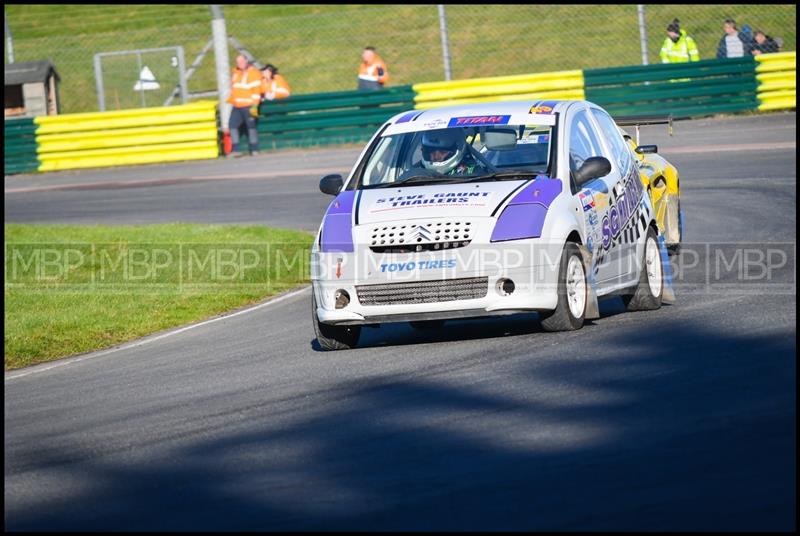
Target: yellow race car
[{"x": 661, "y": 180}]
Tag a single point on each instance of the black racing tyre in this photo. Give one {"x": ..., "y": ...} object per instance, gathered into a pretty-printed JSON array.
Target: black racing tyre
[
  {"x": 646, "y": 296},
  {"x": 573, "y": 293},
  {"x": 332, "y": 337},
  {"x": 427, "y": 325}
]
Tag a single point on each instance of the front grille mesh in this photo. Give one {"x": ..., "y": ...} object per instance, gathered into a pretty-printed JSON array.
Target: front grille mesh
[
  {"x": 469, "y": 288},
  {"x": 420, "y": 232}
]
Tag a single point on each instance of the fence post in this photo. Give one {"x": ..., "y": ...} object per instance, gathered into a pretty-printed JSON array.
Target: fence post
[
  {"x": 182, "y": 76},
  {"x": 98, "y": 80},
  {"x": 221, "y": 61},
  {"x": 448, "y": 72},
  {"x": 642, "y": 33},
  {"x": 9, "y": 39}
]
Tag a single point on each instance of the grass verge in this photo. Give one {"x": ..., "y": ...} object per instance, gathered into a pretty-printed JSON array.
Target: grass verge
[
  {"x": 318, "y": 47},
  {"x": 71, "y": 289}
]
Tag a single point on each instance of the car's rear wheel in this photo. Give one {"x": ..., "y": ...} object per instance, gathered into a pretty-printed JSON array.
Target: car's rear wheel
[
  {"x": 647, "y": 294},
  {"x": 572, "y": 293},
  {"x": 332, "y": 337}
]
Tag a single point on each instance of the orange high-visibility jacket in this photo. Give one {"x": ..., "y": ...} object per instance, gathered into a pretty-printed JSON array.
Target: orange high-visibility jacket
[
  {"x": 369, "y": 71},
  {"x": 245, "y": 87},
  {"x": 277, "y": 88}
]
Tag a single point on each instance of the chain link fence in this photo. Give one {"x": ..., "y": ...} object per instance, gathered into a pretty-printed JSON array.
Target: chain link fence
[{"x": 318, "y": 48}]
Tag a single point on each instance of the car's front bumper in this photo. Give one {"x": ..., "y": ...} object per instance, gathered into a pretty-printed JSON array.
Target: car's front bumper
[{"x": 534, "y": 290}]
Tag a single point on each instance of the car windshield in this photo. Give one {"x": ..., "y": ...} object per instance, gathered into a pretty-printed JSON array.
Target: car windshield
[{"x": 457, "y": 154}]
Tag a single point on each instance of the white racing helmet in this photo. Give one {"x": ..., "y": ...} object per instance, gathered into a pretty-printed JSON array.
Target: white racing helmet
[{"x": 448, "y": 139}]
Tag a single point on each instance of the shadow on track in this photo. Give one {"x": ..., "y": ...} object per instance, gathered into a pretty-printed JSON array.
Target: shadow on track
[{"x": 698, "y": 433}]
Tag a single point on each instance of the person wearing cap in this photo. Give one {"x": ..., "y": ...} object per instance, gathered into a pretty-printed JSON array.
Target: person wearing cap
[
  {"x": 273, "y": 86},
  {"x": 678, "y": 47},
  {"x": 372, "y": 73},
  {"x": 734, "y": 44}
]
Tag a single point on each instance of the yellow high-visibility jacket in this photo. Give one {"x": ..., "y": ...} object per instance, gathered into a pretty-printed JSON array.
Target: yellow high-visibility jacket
[{"x": 683, "y": 51}]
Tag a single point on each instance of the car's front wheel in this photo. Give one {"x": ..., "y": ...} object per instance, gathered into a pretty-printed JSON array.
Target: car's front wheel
[
  {"x": 332, "y": 337},
  {"x": 572, "y": 293}
]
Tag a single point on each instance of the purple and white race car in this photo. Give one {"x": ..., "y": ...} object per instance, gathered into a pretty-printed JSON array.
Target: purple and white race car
[{"x": 486, "y": 209}]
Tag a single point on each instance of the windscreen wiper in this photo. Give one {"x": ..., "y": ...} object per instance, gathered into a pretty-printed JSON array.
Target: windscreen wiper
[
  {"x": 418, "y": 179},
  {"x": 504, "y": 175}
]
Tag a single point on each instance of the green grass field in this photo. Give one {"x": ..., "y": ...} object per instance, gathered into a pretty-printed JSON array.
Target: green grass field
[
  {"x": 73, "y": 289},
  {"x": 318, "y": 47}
]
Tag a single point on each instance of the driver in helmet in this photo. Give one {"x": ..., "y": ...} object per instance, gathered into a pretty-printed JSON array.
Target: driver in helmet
[{"x": 445, "y": 152}]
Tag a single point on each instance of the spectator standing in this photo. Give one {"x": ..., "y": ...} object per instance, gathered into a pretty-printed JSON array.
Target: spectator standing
[
  {"x": 734, "y": 44},
  {"x": 764, "y": 44},
  {"x": 372, "y": 74},
  {"x": 245, "y": 94},
  {"x": 274, "y": 85},
  {"x": 678, "y": 47}
]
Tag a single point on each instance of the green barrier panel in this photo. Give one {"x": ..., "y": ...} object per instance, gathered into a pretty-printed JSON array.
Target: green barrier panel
[
  {"x": 19, "y": 146},
  {"x": 342, "y": 137},
  {"x": 687, "y": 89},
  {"x": 311, "y": 127},
  {"x": 633, "y": 95},
  {"x": 665, "y": 71},
  {"x": 329, "y": 118},
  {"x": 341, "y": 99},
  {"x": 697, "y": 86},
  {"x": 365, "y": 95},
  {"x": 711, "y": 106},
  {"x": 293, "y": 122},
  {"x": 353, "y": 119}
]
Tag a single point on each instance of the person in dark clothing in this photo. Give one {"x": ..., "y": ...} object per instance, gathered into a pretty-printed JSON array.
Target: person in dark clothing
[
  {"x": 764, "y": 44},
  {"x": 734, "y": 44}
]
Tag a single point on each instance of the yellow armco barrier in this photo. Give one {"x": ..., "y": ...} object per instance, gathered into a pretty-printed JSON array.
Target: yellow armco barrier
[
  {"x": 555, "y": 85},
  {"x": 138, "y": 136},
  {"x": 777, "y": 81}
]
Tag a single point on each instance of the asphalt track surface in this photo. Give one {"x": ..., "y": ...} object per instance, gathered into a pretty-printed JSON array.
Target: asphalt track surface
[{"x": 681, "y": 418}]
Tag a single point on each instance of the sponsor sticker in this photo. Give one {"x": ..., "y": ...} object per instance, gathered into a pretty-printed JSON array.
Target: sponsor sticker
[
  {"x": 537, "y": 138},
  {"x": 479, "y": 120},
  {"x": 435, "y": 123},
  {"x": 466, "y": 198},
  {"x": 586, "y": 200},
  {"x": 541, "y": 110},
  {"x": 416, "y": 266}
]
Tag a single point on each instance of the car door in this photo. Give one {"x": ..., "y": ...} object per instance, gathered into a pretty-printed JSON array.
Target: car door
[
  {"x": 594, "y": 197},
  {"x": 625, "y": 207}
]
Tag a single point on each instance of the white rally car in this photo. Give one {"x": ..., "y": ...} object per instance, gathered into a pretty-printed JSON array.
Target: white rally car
[{"x": 486, "y": 209}]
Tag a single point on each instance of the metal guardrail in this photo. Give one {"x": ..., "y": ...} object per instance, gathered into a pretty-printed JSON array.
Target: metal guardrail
[
  {"x": 685, "y": 89},
  {"x": 777, "y": 81},
  {"x": 329, "y": 118},
  {"x": 138, "y": 136}
]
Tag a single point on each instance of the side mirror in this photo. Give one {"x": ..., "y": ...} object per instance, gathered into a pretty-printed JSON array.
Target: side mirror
[
  {"x": 331, "y": 184},
  {"x": 593, "y": 168},
  {"x": 647, "y": 149}
]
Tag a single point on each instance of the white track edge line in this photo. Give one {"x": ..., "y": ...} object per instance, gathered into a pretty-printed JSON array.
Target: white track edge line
[{"x": 36, "y": 369}]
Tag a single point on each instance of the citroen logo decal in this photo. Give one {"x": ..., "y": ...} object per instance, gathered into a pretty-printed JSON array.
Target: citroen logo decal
[{"x": 420, "y": 232}]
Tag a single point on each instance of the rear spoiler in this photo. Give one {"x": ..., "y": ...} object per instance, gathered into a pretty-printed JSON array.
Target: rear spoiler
[{"x": 637, "y": 121}]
